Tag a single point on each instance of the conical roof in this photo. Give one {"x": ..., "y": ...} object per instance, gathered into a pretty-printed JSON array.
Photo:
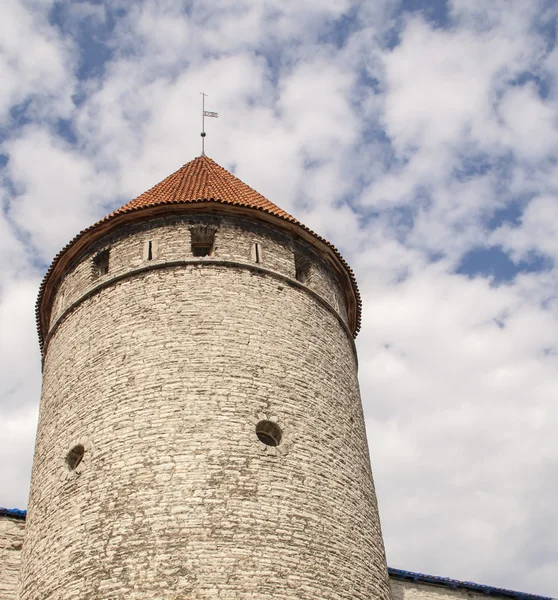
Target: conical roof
[{"x": 201, "y": 181}]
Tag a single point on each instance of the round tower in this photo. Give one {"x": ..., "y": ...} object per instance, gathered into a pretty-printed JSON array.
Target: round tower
[{"x": 201, "y": 431}]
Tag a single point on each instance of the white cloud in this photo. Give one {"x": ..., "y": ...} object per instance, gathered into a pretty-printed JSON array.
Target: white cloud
[
  {"x": 18, "y": 345},
  {"x": 530, "y": 123},
  {"x": 35, "y": 61},
  {"x": 538, "y": 231},
  {"x": 59, "y": 191},
  {"x": 17, "y": 432},
  {"x": 461, "y": 413}
]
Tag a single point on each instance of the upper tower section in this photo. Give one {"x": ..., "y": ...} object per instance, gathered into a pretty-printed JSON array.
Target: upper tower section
[{"x": 200, "y": 185}]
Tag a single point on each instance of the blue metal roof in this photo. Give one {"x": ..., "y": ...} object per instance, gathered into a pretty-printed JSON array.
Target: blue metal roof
[
  {"x": 13, "y": 512},
  {"x": 487, "y": 590}
]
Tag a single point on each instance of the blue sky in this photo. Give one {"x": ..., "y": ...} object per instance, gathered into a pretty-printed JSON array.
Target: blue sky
[{"x": 420, "y": 137}]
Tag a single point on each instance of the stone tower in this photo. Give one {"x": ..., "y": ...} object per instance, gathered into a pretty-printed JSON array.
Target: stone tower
[{"x": 201, "y": 432}]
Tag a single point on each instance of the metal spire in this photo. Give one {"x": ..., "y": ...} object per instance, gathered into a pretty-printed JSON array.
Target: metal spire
[{"x": 205, "y": 113}]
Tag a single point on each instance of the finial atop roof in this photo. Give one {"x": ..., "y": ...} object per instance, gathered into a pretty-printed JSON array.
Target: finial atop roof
[{"x": 205, "y": 113}]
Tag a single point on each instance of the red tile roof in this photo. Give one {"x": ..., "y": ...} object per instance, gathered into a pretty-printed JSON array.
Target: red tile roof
[{"x": 201, "y": 180}]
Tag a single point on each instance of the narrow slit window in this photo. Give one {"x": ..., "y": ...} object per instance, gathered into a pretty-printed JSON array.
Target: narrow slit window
[
  {"x": 257, "y": 252},
  {"x": 202, "y": 240},
  {"x": 336, "y": 302},
  {"x": 150, "y": 249},
  {"x": 101, "y": 263},
  {"x": 302, "y": 268}
]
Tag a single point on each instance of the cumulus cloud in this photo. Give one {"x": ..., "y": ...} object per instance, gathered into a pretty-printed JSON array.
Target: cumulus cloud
[
  {"x": 57, "y": 191},
  {"x": 538, "y": 231},
  {"x": 36, "y": 62},
  {"x": 408, "y": 140}
]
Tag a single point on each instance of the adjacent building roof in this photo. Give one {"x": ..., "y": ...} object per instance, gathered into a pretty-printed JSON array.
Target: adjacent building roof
[
  {"x": 487, "y": 590},
  {"x": 13, "y": 512},
  {"x": 201, "y": 181}
]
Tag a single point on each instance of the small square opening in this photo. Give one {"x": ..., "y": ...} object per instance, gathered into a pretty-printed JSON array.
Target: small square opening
[
  {"x": 202, "y": 240},
  {"x": 201, "y": 249},
  {"x": 101, "y": 263},
  {"x": 75, "y": 456}
]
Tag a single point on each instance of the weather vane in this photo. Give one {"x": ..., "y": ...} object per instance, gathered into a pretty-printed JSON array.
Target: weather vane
[{"x": 205, "y": 113}]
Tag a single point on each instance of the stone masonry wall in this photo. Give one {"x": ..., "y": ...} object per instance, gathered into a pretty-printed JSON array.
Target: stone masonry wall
[
  {"x": 11, "y": 541},
  {"x": 234, "y": 239},
  {"x": 162, "y": 377}
]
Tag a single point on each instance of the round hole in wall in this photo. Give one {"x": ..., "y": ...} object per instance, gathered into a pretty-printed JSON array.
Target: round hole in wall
[
  {"x": 75, "y": 456},
  {"x": 269, "y": 433}
]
